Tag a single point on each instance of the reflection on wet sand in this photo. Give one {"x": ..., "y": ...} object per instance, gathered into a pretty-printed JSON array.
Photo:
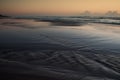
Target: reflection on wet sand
[
  {"x": 23, "y": 23},
  {"x": 103, "y": 31},
  {"x": 90, "y": 35}
]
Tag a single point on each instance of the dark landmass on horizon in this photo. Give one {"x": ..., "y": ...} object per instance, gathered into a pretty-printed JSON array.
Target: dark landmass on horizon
[{"x": 3, "y": 16}]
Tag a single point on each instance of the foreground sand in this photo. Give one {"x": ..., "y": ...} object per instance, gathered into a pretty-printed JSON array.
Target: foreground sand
[{"x": 59, "y": 65}]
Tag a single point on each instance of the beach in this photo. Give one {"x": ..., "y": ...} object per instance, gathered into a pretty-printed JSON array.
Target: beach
[{"x": 60, "y": 48}]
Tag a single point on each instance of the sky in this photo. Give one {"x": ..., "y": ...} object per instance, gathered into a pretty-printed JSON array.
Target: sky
[{"x": 57, "y": 7}]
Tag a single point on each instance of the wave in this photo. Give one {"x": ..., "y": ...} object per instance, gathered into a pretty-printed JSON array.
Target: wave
[{"x": 75, "y": 20}]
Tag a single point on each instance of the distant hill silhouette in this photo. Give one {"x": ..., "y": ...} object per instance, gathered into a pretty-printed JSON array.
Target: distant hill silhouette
[{"x": 4, "y": 16}]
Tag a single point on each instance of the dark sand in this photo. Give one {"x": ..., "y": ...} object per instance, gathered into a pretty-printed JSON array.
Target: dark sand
[{"x": 32, "y": 50}]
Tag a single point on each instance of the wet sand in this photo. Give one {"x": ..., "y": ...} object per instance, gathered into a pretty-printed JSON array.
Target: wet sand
[{"x": 31, "y": 50}]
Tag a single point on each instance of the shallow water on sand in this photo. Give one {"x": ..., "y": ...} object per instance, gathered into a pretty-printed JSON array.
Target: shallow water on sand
[{"x": 89, "y": 36}]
